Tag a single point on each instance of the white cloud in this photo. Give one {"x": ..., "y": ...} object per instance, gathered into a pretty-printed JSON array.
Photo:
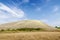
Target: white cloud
[
  {"x": 51, "y": 23},
  {"x": 8, "y": 14},
  {"x": 26, "y": 1},
  {"x": 33, "y": 4},
  {"x": 20, "y": 13},
  {"x": 2, "y": 16},
  {"x": 47, "y": 0},
  {"x": 55, "y": 23},
  {"x": 14, "y": 11},
  {"x": 44, "y": 20},
  {"x": 55, "y": 9},
  {"x": 38, "y": 9}
]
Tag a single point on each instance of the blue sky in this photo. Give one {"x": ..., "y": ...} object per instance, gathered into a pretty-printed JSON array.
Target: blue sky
[{"x": 47, "y": 11}]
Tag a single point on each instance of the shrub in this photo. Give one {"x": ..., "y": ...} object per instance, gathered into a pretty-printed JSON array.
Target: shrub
[
  {"x": 57, "y": 27},
  {"x": 13, "y": 30},
  {"x": 29, "y": 29},
  {"x": 8, "y": 30},
  {"x": 2, "y": 30}
]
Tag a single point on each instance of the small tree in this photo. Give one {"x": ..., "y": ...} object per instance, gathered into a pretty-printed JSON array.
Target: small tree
[
  {"x": 13, "y": 29},
  {"x": 8, "y": 30},
  {"x": 2, "y": 29},
  {"x": 56, "y": 26}
]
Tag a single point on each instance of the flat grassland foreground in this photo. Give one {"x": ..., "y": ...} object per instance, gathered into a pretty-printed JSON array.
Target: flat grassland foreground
[{"x": 30, "y": 36}]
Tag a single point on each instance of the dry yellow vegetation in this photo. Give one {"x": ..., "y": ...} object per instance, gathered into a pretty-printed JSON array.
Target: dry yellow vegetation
[
  {"x": 26, "y": 24},
  {"x": 30, "y": 36},
  {"x": 49, "y": 33}
]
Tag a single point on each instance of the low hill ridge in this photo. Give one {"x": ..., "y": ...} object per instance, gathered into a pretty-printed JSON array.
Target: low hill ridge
[{"x": 26, "y": 24}]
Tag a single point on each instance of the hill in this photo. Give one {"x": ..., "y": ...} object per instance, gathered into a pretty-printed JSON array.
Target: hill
[{"x": 26, "y": 24}]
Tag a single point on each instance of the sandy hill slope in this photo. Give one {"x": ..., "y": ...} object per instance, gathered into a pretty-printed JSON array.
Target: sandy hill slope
[{"x": 26, "y": 24}]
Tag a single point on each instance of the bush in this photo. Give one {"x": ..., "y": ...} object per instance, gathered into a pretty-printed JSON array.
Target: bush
[
  {"x": 29, "y": 29},
  {"x": 23, "y": 29},
  {"x": 2, "y": 30},
  {"x": 8, "y": 30},
  {"x": 57, "y": 27},
  {"x": 13, "y": 30}
]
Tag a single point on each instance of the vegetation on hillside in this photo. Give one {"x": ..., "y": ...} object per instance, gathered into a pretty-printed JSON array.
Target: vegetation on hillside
[
  {"x": 26, "y": 24},
  {"x": 57, "y": 27},
  {"x": 22, "y": 29}
]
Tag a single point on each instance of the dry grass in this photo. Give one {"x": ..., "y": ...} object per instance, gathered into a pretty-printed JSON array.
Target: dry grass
[
  {"x": 30, "y": 36},
  {"x": 26, "y": 24}
]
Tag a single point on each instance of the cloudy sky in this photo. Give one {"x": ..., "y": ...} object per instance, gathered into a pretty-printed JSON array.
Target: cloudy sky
[{"x": 47, "y": 11}]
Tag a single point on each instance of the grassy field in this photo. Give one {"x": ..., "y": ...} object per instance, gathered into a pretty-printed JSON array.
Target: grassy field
[
  {"x": 30, "y": 36},
  {"x": 28, "y": 30}
]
